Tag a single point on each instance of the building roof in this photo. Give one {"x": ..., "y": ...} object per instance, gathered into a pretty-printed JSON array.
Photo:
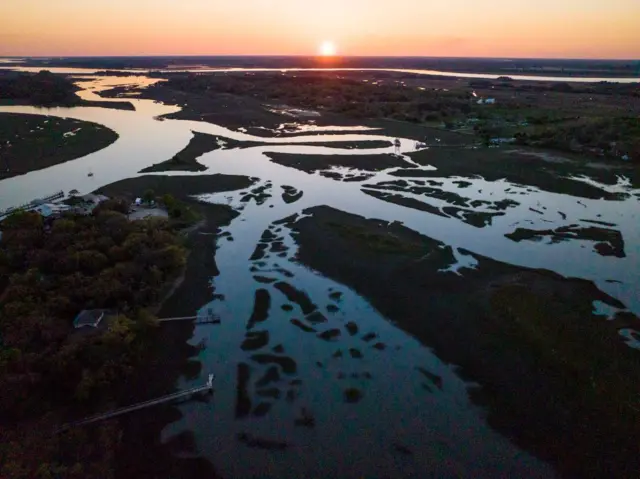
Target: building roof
[
  {"x": 91, "y": 198},
  {"x": 88, "y": 317},
  {"x": 44, "y": 210},
  {"x": 47, "y": 209}
]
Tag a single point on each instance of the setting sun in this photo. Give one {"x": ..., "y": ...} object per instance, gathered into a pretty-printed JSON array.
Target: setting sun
[{"x": 327, "y": 49}]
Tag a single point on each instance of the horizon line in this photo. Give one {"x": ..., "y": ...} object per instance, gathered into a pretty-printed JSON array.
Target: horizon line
[{"x": 314, "y": 56}]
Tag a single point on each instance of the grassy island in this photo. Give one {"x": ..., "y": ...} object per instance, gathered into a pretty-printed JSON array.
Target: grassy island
[{"x": 34, "y": 142}]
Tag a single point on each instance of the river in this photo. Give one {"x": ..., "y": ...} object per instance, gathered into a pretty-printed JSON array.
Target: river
[
  {"x": 486, "y": 76},
  {"x": 396, "y": 412}
]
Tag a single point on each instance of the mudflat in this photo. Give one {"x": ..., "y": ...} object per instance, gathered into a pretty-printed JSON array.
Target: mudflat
[
  {"x": 311, "y": 163},
  {"x": 181, "y": 187},
  {"x": 555, "y": 378},
  {"x": 524, "y": 166},
  {"x": 201, "y": 143},
  {"x": 143, "y": 454},
  {"x": 33, "y": 142}
]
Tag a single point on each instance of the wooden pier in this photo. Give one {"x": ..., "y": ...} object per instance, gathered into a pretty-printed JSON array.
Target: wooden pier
[
  {"x": 33, "y": 203},
  {"x": 135, "y": 407},
  {"x": 195, "y": 319}
]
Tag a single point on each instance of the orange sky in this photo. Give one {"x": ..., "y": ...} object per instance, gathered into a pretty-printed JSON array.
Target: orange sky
[{"x": 492, "y": 28}]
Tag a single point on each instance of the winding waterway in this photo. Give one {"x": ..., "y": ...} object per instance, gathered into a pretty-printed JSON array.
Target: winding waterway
[
  {"x": 487, "y": 76},
  {"x": 411, "y": 400}
]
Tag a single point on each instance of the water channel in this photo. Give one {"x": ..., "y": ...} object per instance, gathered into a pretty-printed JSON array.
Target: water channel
[
  {"x": 487, "y": 76},
  {"x": 411, "y": 400}
]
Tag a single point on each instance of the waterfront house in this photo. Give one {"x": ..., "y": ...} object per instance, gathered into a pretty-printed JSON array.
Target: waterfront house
[
  {"x": 89, "y": 317},
  {"x": 94, "y": 199},
  {"x": 51, "y": 209}
]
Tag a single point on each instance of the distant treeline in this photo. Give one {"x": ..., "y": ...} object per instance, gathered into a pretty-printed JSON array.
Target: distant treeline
[
  {"x": 595, "y": 118},
  {"x": 562, "y": 67},
  {"x": 42, "y": 89},
  {"x": 600, "y": 88},
  {"x": 348, "y": 96}
]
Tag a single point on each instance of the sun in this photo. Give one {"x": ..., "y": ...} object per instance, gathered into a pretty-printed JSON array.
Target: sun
[{"x": 327, "y": 49}]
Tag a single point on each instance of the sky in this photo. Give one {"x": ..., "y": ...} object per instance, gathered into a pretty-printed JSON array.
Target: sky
[{"x": 488, "y": 28}]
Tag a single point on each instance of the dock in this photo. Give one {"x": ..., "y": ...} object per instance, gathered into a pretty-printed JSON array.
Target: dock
[
  {"x": 195, "y": 319},
  {"x": 135, "y": 407},
  {"x": 33, "y": 203}
]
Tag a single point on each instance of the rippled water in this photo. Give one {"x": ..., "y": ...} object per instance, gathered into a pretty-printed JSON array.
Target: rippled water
[{"x": 411, "y": 401}]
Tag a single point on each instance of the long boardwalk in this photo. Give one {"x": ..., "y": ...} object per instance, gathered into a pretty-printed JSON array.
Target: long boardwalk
[
  {"x": 141, "y": 405},
  {"x": 34, "y": 203},
  {"x": 196, "y": 319}
]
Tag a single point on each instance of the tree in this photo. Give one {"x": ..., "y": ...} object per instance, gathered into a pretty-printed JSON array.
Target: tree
[
  {"x": 175, "y": 212},
  {"x": 113, "y": 204},
  {"x": 92, "y": 261},
  {"x": 48, "y": 275},
  {"x": 170, "y": 259},
  {"x": 169, "y": 201},
  {"x": 149, "y": 196}
]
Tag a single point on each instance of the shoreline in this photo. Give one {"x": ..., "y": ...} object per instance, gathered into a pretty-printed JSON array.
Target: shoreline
[
  {"x": 469, "y": 321},
  {"x": 236, "y": 112},
  {"x": 36, "y": 142},
  {"x": 482, "y": 322},
  {"x": 124, "y": 105},
  {"x": 202, "y": 143},
  {"x": 174, "y": 357},
  {"x": 141, "y": 452}
]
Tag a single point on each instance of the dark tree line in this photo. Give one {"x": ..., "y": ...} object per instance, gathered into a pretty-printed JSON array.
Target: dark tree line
[
  {"x": 347, "y": 96},
  {"x": 43, "y": 89},
  {"x": 50, "y": 272}
]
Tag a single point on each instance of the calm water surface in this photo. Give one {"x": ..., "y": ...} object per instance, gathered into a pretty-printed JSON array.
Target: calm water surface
[
  {"x": 411, "y": 401},
  {"x": 488, "y": 76}
]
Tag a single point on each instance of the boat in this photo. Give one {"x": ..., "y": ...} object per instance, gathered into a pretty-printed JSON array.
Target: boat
[{"x": 90, "y": 174}]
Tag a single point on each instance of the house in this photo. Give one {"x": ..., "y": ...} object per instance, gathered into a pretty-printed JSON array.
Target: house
[
  {"x": 88, "y": 317},
  {"x": 51, "y": 209},
  {"x": 95, "y": 199},
  {"x": 44, "y": 210}
]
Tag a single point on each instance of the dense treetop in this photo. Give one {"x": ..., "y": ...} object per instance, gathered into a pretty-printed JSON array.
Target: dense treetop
[
  {"x": 52, "y": 271},
  {"x": 43, "y": 88}
]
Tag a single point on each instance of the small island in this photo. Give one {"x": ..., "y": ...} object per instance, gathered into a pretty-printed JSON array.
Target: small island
[
  {"x": 46, "y": 89},
  {"x": 33, "y": 142}
]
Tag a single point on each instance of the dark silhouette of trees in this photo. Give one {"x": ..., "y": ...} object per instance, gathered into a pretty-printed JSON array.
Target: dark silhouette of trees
[
  {"x": 149, "y": 196},
  {"x": 43, "y": 88},
  {"x": 50, "y": 271},
  {"x": 169, "y": 201},
  {"x": 350, "y": 97}
]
